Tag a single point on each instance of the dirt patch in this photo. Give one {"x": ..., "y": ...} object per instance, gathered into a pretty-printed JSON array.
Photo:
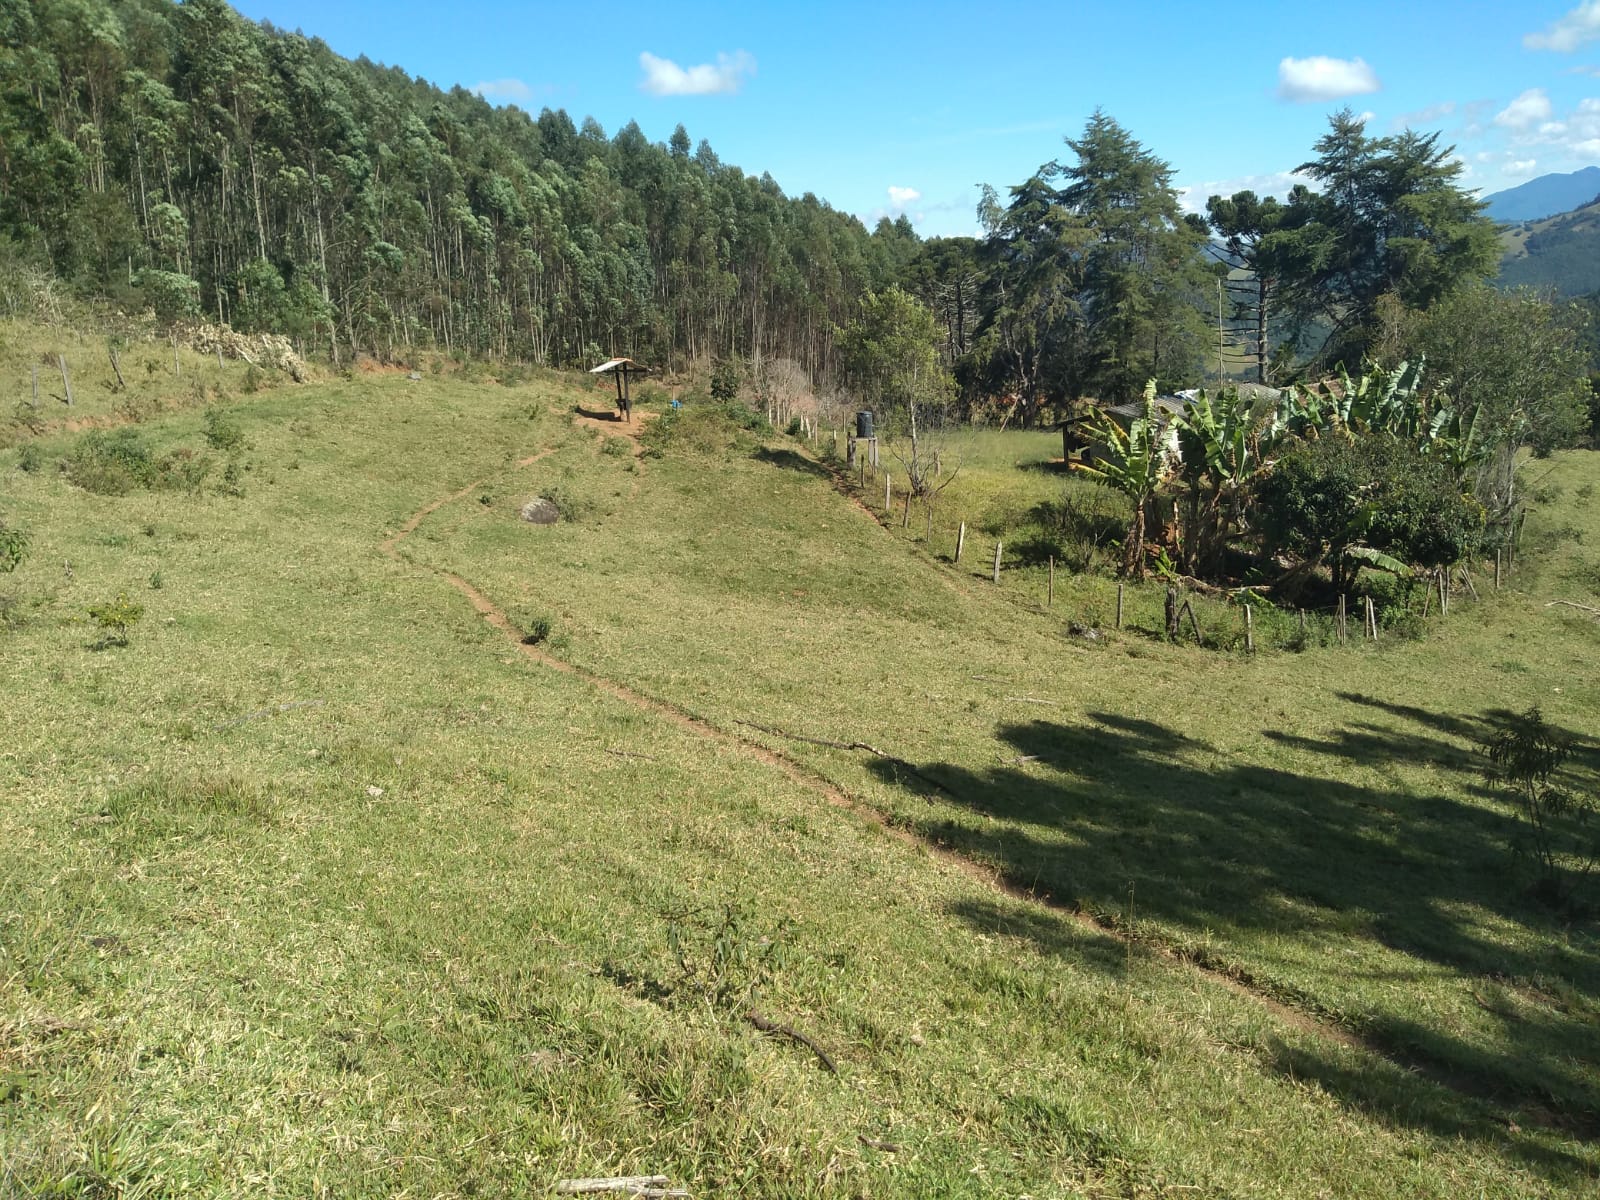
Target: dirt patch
[{"x": 612, "y": 424}]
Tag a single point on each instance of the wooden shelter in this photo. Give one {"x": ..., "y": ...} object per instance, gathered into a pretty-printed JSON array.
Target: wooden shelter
[{"x": 622, "y": 369}]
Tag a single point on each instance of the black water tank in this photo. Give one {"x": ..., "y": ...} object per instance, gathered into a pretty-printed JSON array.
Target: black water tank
[{"x": 863, "y": 424}]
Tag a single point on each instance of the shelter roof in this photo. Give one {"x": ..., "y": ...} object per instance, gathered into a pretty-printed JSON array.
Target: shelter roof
[{"x": 619, "y": 364}]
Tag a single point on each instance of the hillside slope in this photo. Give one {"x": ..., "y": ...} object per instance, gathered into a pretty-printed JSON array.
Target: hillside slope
[
  {"x": 326, "y": 885},
  {"x": 1561, "y": 252}
]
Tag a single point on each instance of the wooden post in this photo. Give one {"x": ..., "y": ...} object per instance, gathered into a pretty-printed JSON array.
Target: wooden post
[
  {"x": 1119, "y": 605},
  {"x": 1497, "y": 555},
  {"x": 849, "y": 450},
  {"x": 177, "y": 369},
  {"x": 997, "y": 546},
  {"x": 1444, "y": 596},
  {"x": 1172, "y": 613},
  {"x": 1050, "y": 588},
  {"x": 1249, "y": 631},
  {"x": 1302, "y": 622},
  {"x": 961, "y": 540},
  {"x": 1194, "y": 624},
  {"x": 888, "y": 492},
  {"x": 1343, "y": 629},
  {"x": 66, "y": 382},
  {"x": 116, "y": 369},
  {"x": 905, "y": 521},
  {"x": 1466, "y": 578},
  {"x": 36, "y": 385},
  {"x": 1372, "y": 620},
  {"x": 220, "y": 367}
]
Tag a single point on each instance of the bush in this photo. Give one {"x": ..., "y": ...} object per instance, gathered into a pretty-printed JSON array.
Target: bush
[
  {"x": 1327, "y": 496},
  {"x": 114, "y": 464},
  {"x": 222, "y": 432},
  {"x": 114, "y": 618},
  {"x": 725, "y": 377},
  {"x": 29, "y": 458},
  {"x": 13, "y": 548}
]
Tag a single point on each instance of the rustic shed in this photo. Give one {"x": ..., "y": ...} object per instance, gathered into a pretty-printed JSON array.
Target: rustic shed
[{"x": 622, "y": 370}]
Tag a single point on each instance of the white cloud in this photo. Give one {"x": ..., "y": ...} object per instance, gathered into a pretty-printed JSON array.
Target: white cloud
[
  {"x": 1578, "y": 28},
  {"x": 1193, "y": 197},
  {"x": 1367, "y": 117},
  {"x": 1307, "y": 80},
  {"x": 663, "y": 77},
  {"x": 1592, "y": 71},
  {"x": 1424, "y": 116},
  {"x": 1520, "y": 168},
  {"x": 899, "y": 197},
  {"x": 502, "y": 89},
  {"x": 1527, "y": 110}
]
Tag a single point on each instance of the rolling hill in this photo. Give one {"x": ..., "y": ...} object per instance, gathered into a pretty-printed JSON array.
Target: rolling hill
[{"x": 1560, "y": 252}]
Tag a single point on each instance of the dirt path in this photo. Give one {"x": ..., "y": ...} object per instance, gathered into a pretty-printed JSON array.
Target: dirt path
[{"x": 808, "y": 778}]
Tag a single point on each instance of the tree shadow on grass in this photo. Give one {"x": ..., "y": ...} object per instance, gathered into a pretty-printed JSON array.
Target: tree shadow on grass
[
  {"x": 1218, "y": 852},
  {"x": 789, "y": 460}
]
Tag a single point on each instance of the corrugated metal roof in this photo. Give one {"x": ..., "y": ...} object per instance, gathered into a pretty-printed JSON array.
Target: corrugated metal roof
[{"x": 612, "y": 364}]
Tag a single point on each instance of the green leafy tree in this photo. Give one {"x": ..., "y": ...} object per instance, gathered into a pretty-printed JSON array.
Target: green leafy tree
[{"x": 890, "y": 360}]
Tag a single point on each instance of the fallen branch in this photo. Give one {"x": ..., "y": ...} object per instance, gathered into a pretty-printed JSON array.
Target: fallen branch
[
  {"x": 651, "y": 1186},
  {"x": 268, "y": 712},
  {"x": 789, "y": 1031},
  {"x": 1593, "y": 612},
  {"x": 832, "y": 745}
]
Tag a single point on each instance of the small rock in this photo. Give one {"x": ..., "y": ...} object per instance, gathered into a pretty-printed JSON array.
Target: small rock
[
  {"x": 374, "y": 791},
  {"x": 541, "y": 512},
  {"x": 1087, "y": 632},
  {"x": 415, "y": 377}
]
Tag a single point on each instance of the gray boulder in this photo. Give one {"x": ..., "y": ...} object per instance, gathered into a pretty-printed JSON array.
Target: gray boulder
[{"x": 541, "y": 512}]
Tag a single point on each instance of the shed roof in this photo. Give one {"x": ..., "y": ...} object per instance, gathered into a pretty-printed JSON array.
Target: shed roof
[{"x": 618, "y": 364}]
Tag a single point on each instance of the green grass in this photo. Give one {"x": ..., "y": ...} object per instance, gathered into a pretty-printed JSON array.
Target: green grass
[{"x": 321, "y": 886}]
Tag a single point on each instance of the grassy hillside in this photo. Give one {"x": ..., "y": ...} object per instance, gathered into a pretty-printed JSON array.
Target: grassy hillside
[
  {"x": 1560, "y": 252},
  {"x": 326, "y": 885}
]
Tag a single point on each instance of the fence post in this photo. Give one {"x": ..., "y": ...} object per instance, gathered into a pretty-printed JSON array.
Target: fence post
[
  {"x": 1249, "y": 631},
  {"x": 1119, "y": 605},
  {"x": 36, "y": 385},
  {"x": 1497, "y": 554},
  {"x": 997, "y": 546},
  {"x": 961, "y": 540},
  {"x": 66, "y": 382},
  {"x": 1343, "y": 630},
  {"x": 888, "y": 492},
  {"x": 1050, "y": 591}
]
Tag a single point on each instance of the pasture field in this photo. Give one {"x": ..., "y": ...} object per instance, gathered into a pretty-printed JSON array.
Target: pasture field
[{"x": 324, "y": 884}]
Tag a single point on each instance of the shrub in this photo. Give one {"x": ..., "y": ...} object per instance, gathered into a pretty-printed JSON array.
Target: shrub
[
  {"x": 725, "y": 376},
  {"x": 29, "y": 458},
  {"x": 114, "y": 464},
  {"x": 1525, "y": 758},
  {"x": 222, "y": 432},
  {"x": 13, "y": 548},
  {"x": 114, "y": 618}
]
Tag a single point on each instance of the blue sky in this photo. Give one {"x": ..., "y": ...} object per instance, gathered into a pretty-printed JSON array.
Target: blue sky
[{"x": 889, "y": 108}]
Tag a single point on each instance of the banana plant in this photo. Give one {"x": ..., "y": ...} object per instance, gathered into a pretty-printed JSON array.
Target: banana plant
[
  {"x": 1134, "y": 461},
  {"x": 1226, "y": 442}
]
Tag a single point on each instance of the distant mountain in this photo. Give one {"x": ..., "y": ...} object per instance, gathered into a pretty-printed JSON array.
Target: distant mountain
[
  {"x": 1545, "y": 196},
  {"x": 1561, "y": 252}
]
